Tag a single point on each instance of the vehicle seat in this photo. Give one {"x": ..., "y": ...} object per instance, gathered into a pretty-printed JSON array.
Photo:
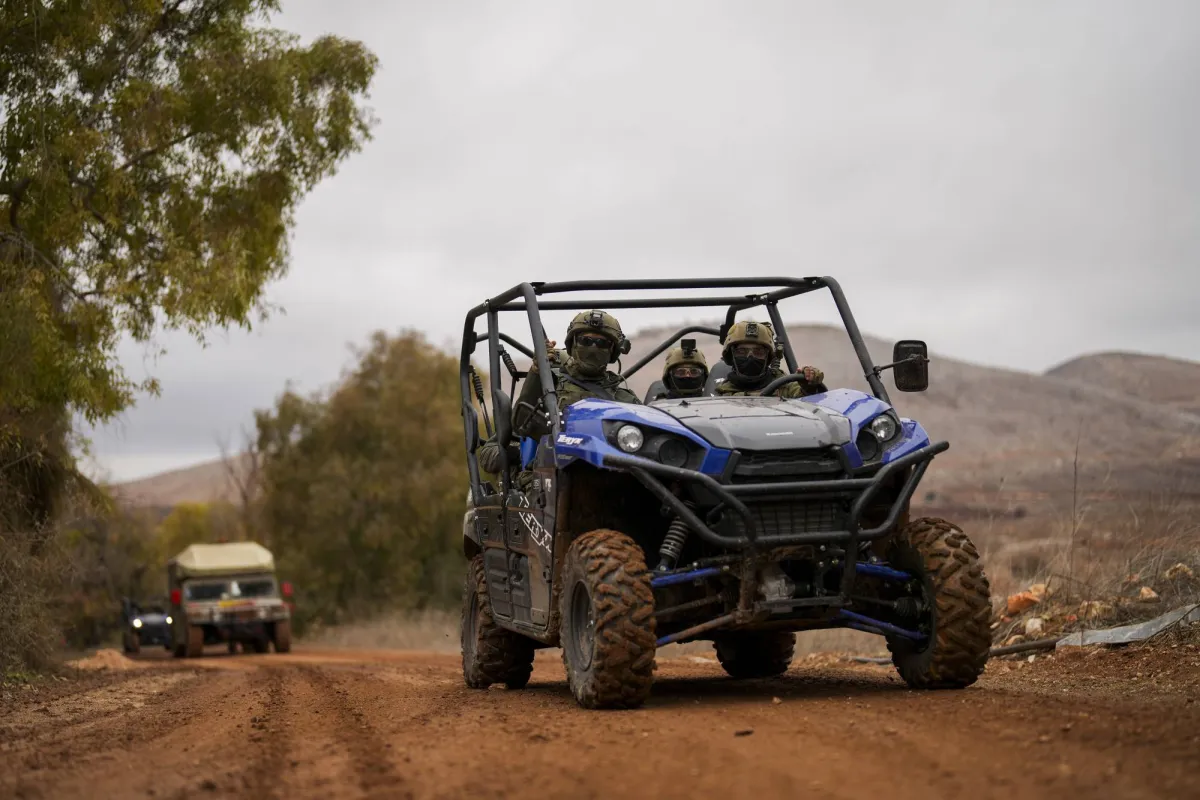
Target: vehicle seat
[
  {"x": 656, "y": 388},
  {"x": 719, "y": 371}
]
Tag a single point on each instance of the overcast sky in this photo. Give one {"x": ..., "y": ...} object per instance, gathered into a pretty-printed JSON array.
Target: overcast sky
[{"x": 1016, "y": 183}]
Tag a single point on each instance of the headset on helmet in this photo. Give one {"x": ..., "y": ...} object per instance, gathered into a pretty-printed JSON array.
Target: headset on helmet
[{"x": 597, "y": 321}]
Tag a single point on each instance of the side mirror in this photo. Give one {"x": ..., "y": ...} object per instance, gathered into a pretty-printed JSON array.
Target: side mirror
[
  {"x": 176, "y": 597},
  {"x": 286, "y": 588},
  {"x": 910, "y": 359}
]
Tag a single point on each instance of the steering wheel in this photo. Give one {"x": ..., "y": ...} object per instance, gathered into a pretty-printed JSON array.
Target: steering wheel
[{"x": 784, "y": 380}]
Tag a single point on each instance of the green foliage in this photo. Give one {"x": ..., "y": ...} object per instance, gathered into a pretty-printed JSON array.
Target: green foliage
[
  {"x": 362, "y": 490},
  {"x": 151, "y": 158},
  {"x": 195, "y": 523}
]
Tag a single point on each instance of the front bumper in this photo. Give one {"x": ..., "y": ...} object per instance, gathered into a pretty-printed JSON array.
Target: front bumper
[
  {"x": 860, "y": 491},
  {"x": 152, "y": 635}
]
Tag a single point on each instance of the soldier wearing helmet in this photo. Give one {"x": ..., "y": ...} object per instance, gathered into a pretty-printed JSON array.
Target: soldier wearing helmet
[
  {"x": 684, "y": 372},
  {"x": 594, "y": 340},
  {"x": 751, "y": 349}
]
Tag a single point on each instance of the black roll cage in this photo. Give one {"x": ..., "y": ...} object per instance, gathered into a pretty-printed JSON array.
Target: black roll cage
[{"x": 526, "y": 297}]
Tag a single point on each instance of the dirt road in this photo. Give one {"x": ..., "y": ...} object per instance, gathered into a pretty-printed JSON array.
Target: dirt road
[{"x": 339, "y": 724}]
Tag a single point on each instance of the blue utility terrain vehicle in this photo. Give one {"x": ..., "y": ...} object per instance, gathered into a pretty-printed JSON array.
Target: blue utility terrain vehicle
[{"x": 762, "y": 516}]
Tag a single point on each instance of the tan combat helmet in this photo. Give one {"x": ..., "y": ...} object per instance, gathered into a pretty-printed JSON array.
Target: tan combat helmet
[
  {"x": 596, "y": 321},
  {"x": 747, "y": 332},
  {"x": 687, "y": 354}
]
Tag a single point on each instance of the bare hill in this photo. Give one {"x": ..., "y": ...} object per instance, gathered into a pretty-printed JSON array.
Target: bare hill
[
  {"x": 1169, "y": 381},
  {"x": 206, "y": 482}
]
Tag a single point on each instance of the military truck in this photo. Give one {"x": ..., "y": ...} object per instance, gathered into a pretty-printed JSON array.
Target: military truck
[{"x": 228, "y": 594}]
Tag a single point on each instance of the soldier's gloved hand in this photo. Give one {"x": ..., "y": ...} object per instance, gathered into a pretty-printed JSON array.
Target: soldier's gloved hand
[{"x": 812, "y": 374}]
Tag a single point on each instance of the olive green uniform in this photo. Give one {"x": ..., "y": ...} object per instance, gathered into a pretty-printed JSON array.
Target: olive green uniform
[
  {"x": 582, "y": 376},
  {"x": 751, "y": 374}
]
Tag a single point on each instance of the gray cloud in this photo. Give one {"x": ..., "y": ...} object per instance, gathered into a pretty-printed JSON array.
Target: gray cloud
[{"x": 1017, "y": 184}]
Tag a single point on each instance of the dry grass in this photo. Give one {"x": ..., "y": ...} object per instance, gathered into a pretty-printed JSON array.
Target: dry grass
[
  {"x": 29, "y": 627},
  {"x": 1103, "y": 564}
]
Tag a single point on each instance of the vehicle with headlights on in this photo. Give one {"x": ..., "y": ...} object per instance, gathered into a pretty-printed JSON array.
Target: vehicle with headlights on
[
  {"x": 144, "y": 624},
  {"x": 227, "y": 593},
  {"x": 618, "y": 528}
]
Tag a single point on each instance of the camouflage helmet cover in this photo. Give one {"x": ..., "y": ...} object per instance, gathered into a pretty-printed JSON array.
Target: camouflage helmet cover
[
  {"x": 596, "y": 321},
  {"x": 748, "y": 332},
  {"x": 677, "y": 356}
]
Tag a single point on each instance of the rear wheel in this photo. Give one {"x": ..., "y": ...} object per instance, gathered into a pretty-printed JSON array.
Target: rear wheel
[
  {"x": 756, "y": 654},
  {"x": 607, "y": 621},
  {"x": 282, "y": 636},
  {"x": 195, "y": 641},
  {"x": 490, "y": 654},
  {"x": 955, "y": 597}
]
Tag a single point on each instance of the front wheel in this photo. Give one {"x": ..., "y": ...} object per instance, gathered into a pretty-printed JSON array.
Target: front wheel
[
  {"x": 955, "y": 597},
  {"x": 490, "y": 654},
  {"x": 195, "y": 641},
  {"x": 282, "y": 636},
  {"x": 607, "y": 621}
]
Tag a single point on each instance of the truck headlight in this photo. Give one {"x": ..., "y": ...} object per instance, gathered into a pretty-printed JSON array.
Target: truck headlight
[
  {"x": 170, "y": 621},
  {"x": 884, "y": 427},
  {"x": 630, "y": 439},
  {"x": 137, "y": 623}
]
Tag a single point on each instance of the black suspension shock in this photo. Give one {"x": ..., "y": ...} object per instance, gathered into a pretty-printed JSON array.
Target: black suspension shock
[
  {"x": 672, "y": 545},
  {"x": 509, "y": 364}
]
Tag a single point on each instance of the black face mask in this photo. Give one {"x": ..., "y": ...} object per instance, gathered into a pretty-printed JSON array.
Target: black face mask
[
  {"x": 749, "y": 367},
  {"x": 685, "y": 385}
]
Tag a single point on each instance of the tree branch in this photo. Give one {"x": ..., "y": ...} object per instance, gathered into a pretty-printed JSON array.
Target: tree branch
[
  {"x": 15, "y": 193},
  {"x": 154, "y": 151}
]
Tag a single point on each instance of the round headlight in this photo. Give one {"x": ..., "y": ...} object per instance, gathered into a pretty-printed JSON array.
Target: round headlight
[
  {"x": 884, "y": 427},
  {"x": 137, "y": 623},
  {"x": 630, "y": 439},
  {"x": 169, "y": 620}
]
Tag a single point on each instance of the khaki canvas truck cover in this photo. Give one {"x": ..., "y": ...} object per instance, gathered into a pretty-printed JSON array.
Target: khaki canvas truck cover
[{"x": 213, "y": 560}]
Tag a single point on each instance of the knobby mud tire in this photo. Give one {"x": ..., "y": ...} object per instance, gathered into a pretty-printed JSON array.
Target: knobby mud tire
[
  {"x": 282, "y": 637},
  {"x": 620, "y": 670},
  {"x": 949, "y": 565},
  {"x": 756, "y": 654},
  {"x": 490, "y": 654},
  {"x": 195, "y": 641}
]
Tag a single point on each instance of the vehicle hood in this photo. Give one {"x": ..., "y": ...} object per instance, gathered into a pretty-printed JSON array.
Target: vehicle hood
[{"x": 759, "y": 423}]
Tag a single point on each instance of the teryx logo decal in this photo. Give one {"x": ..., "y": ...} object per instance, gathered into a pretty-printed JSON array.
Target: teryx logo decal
[
  {"x": 536, "y": 532},
  {"x": 572, "y": 440}
]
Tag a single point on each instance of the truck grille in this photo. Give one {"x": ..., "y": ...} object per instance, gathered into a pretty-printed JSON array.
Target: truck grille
[
  {"x": 759, "y": 465},
  {"x": 772, "y": 518}
]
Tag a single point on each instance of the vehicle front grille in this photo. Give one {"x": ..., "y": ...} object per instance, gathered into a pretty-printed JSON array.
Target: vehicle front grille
[
  {"x": 760, "y": 465},
  {"x": 777, "y": 517}
]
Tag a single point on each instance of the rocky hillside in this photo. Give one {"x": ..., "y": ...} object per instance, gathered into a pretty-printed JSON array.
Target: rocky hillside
[{"x": 1169, "y": 381}]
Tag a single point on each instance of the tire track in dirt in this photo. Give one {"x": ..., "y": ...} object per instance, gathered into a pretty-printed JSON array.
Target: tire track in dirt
[
  {"x": 370, "y": 753},
  {"x": 271, "y": 733}
]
